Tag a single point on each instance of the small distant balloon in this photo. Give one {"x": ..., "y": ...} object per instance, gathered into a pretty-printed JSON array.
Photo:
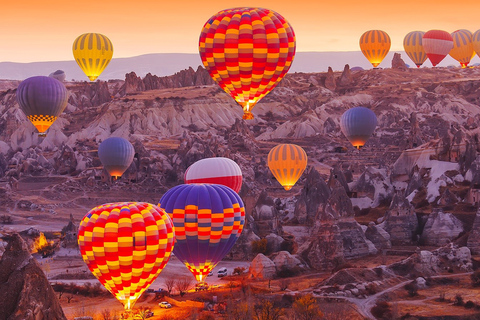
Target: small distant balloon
[
  {"x": 92, "y": 52},
  {"x": 375, "y": 45},
  {"x": 462, "y": 50},
  {"x": 413, "y": 45},
  {"x": 476, "y": 42},
  {"x": 59, "y": 75},
  {"x": 116, "y": 155},
  {"x": 287, "y": 163},
  {"x": 437, "y": 44},
  {"x": 216, "y": 170},
  {"x": 43, "y": 100},
  {"x": 358, "y": 124}
]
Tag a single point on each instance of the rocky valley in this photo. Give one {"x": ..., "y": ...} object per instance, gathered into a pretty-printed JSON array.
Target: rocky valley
[{"x": 363, "y": 223}]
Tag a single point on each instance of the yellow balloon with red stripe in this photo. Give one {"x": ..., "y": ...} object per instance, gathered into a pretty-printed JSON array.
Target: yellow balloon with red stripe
[
  {"x": 247, "y": 51},
  {"x": 287, "y": 163},
  {"x": 375, "y": 45},
  {"x": 126, "y": 245}
]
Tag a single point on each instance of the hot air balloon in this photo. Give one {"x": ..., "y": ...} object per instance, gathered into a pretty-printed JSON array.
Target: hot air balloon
[
  {"x": 287, "y": 163},
  {"x": 126, "y": 245},
  {"x": 476, "y": 42},
  {"x": 59, "y": 75},
  {"x": 462, "y": 50},
  {"x": 437, "y": 44},
  {"x": 412, "y": 43},
  {"x": 42, "y": 99},
  {"x": 375, "y": 45},
  {"x": 358, "y": 124},
  {"x": 116, "y": 155},
  {"x": 208, "y": 219},
  {"x": 93, "y": 52},
  {"x": 247, "y": 51},
  {"x": 215, "y": 170}
]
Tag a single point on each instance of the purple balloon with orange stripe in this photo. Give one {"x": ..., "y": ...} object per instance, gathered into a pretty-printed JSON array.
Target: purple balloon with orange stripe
[{"x": 208, "y": 220}]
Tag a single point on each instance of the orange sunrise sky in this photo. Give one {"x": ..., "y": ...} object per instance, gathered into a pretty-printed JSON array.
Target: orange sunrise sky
[{"x": 35, "y": 30}]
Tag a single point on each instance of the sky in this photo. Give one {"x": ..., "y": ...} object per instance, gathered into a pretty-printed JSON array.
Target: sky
[{"x": 34, "y": 30}]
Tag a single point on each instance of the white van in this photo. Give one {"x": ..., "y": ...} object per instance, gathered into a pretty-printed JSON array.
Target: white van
[{"x": 222, "y": 272}]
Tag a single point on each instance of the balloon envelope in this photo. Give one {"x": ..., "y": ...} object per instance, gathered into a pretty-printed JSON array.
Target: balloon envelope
[
  {"x": 437, "y": 44},
  {"x": 462, "y": 50},
  {"x": 476, "y": 42},
  {"x": 413, "y": 45},
  {"x": 208, "y": 219},
  {"x": 217, "y": 170},
  {"x": 287, "y": 163},
  {"x": 375, "y": 45},
  {"x": 42, "y": 99},
  {"x": 116, "y": 155},
  {"x": 93, "y": 52},
  {"x": 247, "y": 51},
  {"x": 358, "y": 124},
  {"x": 126, "y": 245},
  {"x": 59, "y": 75}
]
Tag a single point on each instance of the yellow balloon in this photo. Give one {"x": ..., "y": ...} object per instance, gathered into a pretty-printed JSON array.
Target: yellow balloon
[
  {"x": 93, "y": 52},
  {"x": 287, "y": 163},
  {"x": 412, "y": 43},
  {"x": 462, "y": 50},
  {"x": 375, "y": 45}
]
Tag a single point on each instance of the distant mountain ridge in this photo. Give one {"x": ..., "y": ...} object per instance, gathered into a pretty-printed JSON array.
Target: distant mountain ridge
[{"x": 163, "y": 64}]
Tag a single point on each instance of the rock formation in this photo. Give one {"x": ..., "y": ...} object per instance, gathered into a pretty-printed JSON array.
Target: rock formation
[
  {"x": 330, "y": 80},
  {"x": 314, "y": 193},
  {"x": 336, "y": 235},
  {"x": 379, "y": 237},
  {"x": 376, "y": 184},
  {"x": 441, "y": 228},
  {"x": 262, "y": 267},
  {"x": 473, "y": 242},
  {"x": 266, "y": 216},
  {"x": 398, "y": 63},
  {"x": 284, "y": 261},
  {"x": 25, "y": 293},
  {"x": 400, "y": 221},
  {"x": 346, "y": 78}
]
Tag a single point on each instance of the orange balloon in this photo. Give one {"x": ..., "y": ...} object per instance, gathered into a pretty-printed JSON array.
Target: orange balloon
[
  {"x": 375, "y": 45},
  {"x": 126, "y": 245},
  {"x": 287, "y": 163}
]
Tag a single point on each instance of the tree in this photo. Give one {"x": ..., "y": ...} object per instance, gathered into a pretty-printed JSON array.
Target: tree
[
  {"x": 307, "y": 308},
  {"x": 475, "y": 277},
  {"x": 266, "y": 310},
  {"x": 259, "y": 246},
  {"x": 183, "y": 285},
  {"x": 170, "y": 284},
  {"x": 239, "y": 310}
]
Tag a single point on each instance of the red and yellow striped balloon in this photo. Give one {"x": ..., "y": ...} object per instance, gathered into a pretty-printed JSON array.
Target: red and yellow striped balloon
[
  {"x": 247, "y": 51},
  {"x": 126, "y": 245},
  {"x": 375, "y": 45},
  {"x": 287, "y": 163}
]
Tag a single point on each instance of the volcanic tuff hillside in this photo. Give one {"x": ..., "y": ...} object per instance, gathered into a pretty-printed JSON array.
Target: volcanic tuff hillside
[{"x": 174, "y": 121}]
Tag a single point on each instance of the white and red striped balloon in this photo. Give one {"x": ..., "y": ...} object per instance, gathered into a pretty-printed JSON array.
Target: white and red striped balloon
[
  {"x": 437, "y": 44},
  {"x": 217, "y": 170}
]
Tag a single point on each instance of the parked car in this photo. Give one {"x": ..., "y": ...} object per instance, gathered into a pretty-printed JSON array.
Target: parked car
[
  {"x": 222, "y": 272},
  {"x": 210, "y": 274},
  {"x": 164, "y": 304},
  {"x": 149, "y": 314}
]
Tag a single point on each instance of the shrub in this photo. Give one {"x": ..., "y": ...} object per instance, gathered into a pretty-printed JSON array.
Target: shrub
[
  {"x": 458, "y": 301},
  {"x": 469, "y": 304},
  {"x": 259, "y": 246},
  {"x": 382, "y": 310},
  {"x": 475, "y": 277},
  {"x": 412, "y": 289}
]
